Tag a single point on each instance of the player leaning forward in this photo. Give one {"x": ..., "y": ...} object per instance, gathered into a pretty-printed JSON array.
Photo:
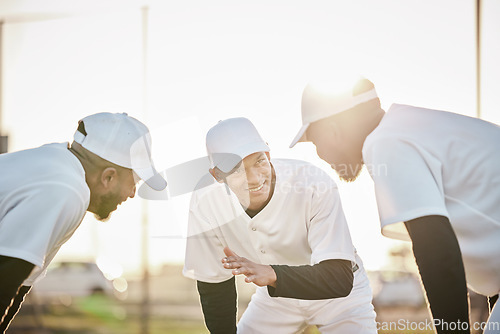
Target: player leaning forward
[
  {"x": 437, "y": 182},
  {"x": 45, "y": 192},
  {"x": 284, "y": 218}
]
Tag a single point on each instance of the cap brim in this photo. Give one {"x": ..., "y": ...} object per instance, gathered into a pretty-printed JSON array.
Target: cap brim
[
  {"x": 152, "y": 178},
  {"x": 227, "y": 161},
  {"x": 301, "y": 136}
]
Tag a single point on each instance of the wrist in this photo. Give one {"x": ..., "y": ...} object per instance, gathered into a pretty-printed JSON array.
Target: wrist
[{"x": 272, "y": 277}]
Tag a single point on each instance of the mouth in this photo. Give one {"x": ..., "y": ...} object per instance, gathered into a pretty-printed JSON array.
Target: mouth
[{"x": 252, "y": 190}]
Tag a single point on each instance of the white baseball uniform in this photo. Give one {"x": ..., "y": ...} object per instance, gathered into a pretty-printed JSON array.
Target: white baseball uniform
[
  {"x": 43, "y": 199},
  {"x": 303, "y": 224},
  {"x": 428, "y": 162}
]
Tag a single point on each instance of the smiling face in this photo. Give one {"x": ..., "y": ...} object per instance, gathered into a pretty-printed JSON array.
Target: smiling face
[
  {"x": 251, "y": 181},
  {"x": 118, "y": 185}
]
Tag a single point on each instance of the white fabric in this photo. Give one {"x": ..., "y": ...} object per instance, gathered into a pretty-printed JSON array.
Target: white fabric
[
  {"x": 230, "y": 141},
  {"x": 427, "y": 162},
  {"x": 43, "y": 198},
  {"x": 350, "y": 315},
  {"x": 302, "y": 224},
  {"x": 316, "y": 106},
  {"x": 493, "y": 324},
  {"x": 319, "y": 102}
]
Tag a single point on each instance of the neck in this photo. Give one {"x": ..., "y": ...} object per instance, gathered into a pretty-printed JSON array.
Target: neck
[
  {"x": 88, "y": 166},
  {"x": 377, "y": 118},
  {"x": 79, "y": 156},
  {"x": 370, "y": 122}
]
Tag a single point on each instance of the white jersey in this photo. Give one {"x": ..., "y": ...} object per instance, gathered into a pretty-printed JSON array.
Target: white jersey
[
  {"x": 303, "y": 223},
  {"x": 427, "y": 162},
  {"x": 43, "y": 199}
]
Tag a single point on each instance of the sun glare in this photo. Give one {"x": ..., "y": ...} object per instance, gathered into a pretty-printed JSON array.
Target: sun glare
[{"x": 335, "y": 83}]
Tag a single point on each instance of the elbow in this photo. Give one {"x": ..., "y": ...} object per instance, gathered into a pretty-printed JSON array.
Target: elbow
[
  {"x": 340, "y": 279},
  {"x": 344, "y": 286},
  {"x": 347, "y": 287}
]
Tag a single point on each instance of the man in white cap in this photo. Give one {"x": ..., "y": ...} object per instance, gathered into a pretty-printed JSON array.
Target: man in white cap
[
  {"x": 281, "y": 224},
  {"x": 45, "y": 192},
  {"x": 436, "y": 183}
]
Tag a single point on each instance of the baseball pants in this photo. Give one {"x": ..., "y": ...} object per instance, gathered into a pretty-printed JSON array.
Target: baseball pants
[
  {"x": 353, "y": 314},
  {"x": 493, "y": 324}
]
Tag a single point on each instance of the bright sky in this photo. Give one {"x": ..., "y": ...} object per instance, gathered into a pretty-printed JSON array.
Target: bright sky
[{"x": 209, "y": 61}]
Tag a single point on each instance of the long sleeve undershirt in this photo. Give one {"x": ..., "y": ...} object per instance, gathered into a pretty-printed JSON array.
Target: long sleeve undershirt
[
  {"x": 218, "y": 303},
  {"x": 325, "y": 280},
  {"x": 439, "y": 261},
  {"x": 13, "y": 272}
]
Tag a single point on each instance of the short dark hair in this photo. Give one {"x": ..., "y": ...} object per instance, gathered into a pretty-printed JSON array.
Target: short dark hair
[{"x": 81, "y": 128}]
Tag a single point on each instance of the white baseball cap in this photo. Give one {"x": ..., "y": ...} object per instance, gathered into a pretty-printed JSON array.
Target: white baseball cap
[
  {"x": 122, "y": 140},
  {"x": 231, "y": 140},
  {"x": 321, "y": 100}
]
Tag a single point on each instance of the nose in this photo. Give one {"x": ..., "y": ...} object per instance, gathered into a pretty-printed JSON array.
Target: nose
[
  {"x": 253, "y": 176},
  {"x": 132, "y": 192}
]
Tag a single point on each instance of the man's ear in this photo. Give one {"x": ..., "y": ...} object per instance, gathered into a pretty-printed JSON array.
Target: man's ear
[
  {"x": 268, "y": 156},
  {"x": 214, "y": 174},
  {"x": 108, "y": 176}
]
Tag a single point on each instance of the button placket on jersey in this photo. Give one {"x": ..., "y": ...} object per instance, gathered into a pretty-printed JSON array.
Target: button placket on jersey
[{"x": 256, "y": 238}]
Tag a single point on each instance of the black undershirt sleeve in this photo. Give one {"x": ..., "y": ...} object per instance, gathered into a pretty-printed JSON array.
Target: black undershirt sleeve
[
  {"x": 325, "y": 280},
  {"x": 13, "y": 272},
  {"x": 439, "y": 261},
  {"x": 14, "y": 308},
  {"x": 491, "y": 302},
  {"x": 218, "y": 302}
]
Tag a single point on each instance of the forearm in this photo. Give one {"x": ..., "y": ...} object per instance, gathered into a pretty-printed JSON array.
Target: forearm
[
  {"x": 218, "y": 302},
  {"x": 328, "y": 279},
  {"x": 13, "y": 272},
  {"x": 439, "y": 260},
  {"x": 14, "y": 308}
]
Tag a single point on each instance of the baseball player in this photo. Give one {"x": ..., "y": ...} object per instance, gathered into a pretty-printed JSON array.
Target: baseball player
[
  {"x": 436, "y": 183},
  {"x": 45, "y": 192},
  {"x": 280, "y": 223}
]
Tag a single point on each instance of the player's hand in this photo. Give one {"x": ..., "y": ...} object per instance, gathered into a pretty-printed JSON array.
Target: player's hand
[{"x": 258, "y": 274}]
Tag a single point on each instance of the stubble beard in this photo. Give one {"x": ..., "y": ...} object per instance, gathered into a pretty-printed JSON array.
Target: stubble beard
[
  {"x": 349, "y": 174},
  {"x": 108, "y": 204}
]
